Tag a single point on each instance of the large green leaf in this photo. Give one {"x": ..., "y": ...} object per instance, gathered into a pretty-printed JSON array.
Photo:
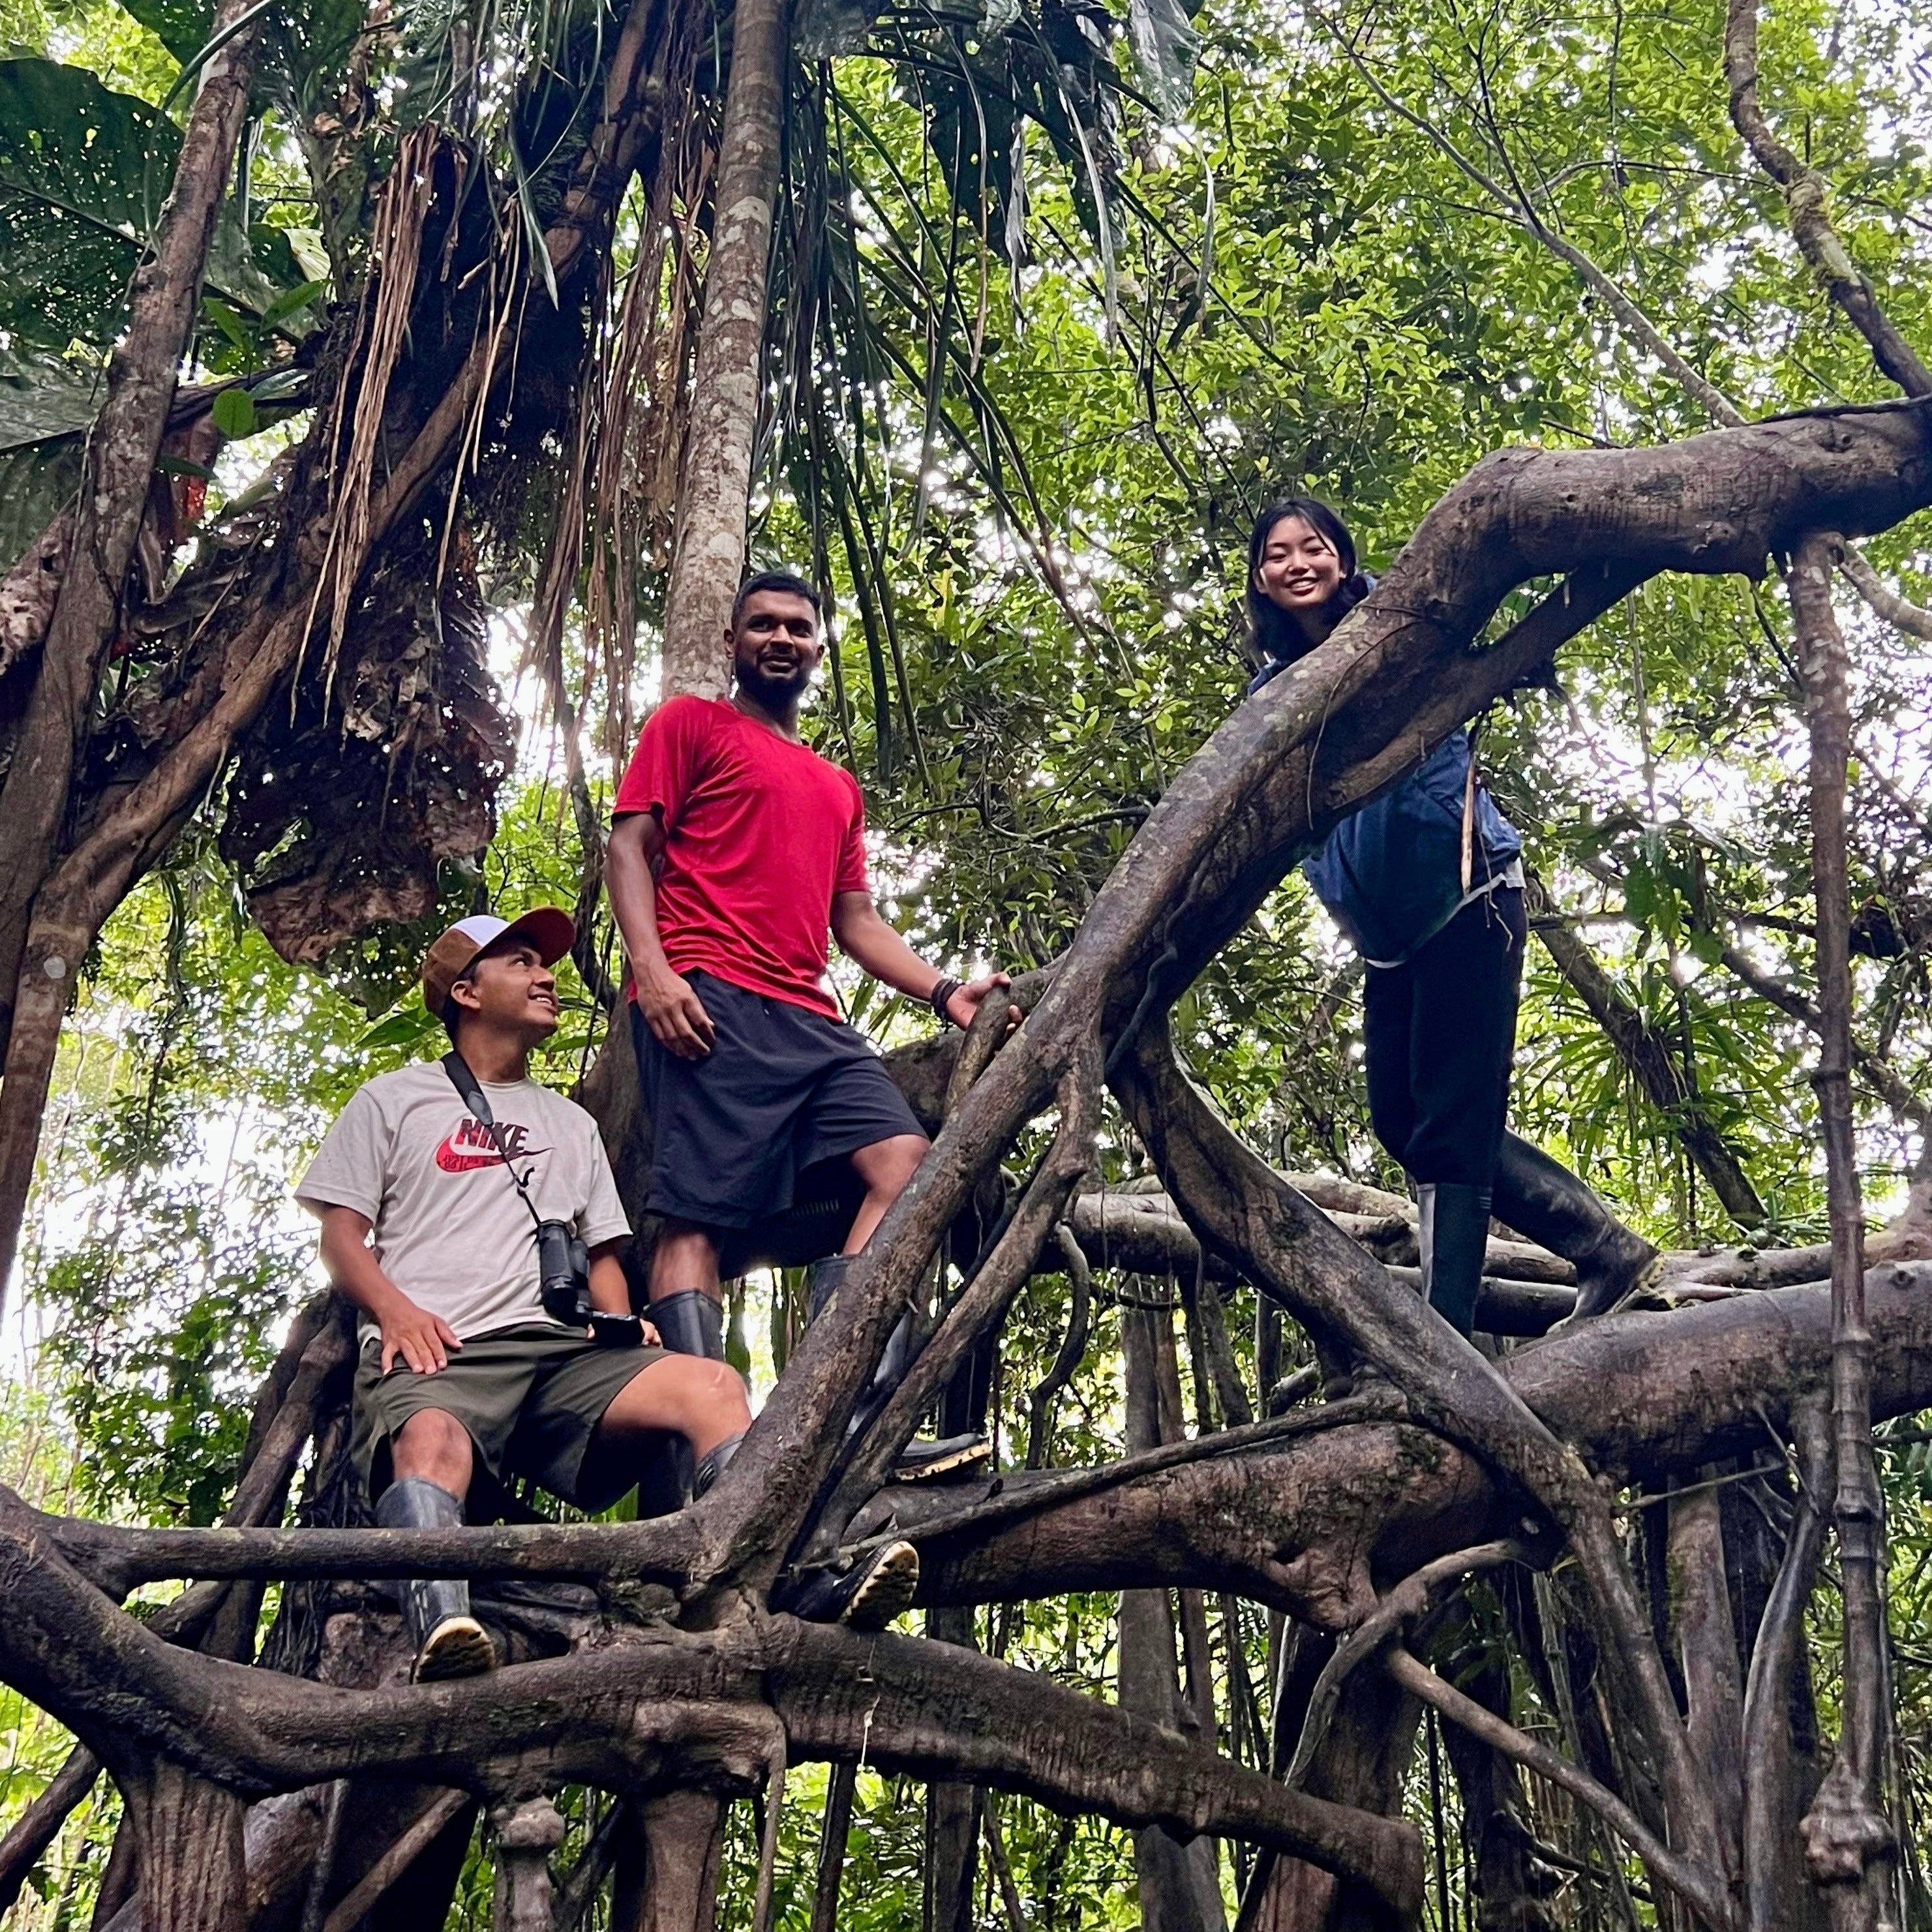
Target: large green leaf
[
  {"x": 182, "y": 26},
  {"x": 46, "y": 405},
  {"x": 84, "y": 172}
]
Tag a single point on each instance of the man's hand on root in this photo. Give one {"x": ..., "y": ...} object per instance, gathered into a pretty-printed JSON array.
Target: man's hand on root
[{"x": 964, "y": 1005}]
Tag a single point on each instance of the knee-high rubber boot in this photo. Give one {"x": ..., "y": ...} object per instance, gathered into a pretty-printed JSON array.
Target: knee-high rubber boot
[
  {"x": 448, "y": 1641},
  {"x": 1453, "y": 1231},
  {"x": 1541, "y": 1197},
  {"x": 919, "y": 1460},
  {"x": 712, "y": 1464},
  {"x": 689, "y": 1323}
]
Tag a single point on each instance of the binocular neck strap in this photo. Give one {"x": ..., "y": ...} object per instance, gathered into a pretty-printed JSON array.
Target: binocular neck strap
[{"x": 471, "y": 1093}]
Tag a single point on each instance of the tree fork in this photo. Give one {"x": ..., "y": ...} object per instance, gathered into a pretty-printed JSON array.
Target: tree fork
[{"x": 1849, "y": 1842}]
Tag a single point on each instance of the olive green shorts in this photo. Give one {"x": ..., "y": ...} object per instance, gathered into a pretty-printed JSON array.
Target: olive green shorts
[{"x": 531, "y": 1398}]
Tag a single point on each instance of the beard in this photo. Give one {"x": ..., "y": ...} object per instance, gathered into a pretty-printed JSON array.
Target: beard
[{"x": 771, "y": 691}]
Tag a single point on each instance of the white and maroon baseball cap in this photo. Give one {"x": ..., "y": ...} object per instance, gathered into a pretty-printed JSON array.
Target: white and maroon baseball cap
[{"x": 549, "y": 928}]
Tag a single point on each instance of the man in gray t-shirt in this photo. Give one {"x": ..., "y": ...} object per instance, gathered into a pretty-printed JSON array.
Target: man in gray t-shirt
[{"x": 429, "y": 1224}]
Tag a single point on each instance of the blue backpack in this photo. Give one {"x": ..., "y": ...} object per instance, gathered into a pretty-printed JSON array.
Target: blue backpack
[{"x": 1391, "y": 872}]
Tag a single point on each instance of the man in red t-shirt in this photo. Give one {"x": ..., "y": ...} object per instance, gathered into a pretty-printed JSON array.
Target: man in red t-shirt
[{"x": 735, "y": 848}]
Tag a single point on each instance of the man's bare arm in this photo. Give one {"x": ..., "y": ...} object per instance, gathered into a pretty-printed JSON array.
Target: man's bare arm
[
  {"x": 422, "y": 1340},
  {"x": 674, "y": 1013},
  {"x": 877, "y": 948},
  {"x": 609, "y": 1293}
]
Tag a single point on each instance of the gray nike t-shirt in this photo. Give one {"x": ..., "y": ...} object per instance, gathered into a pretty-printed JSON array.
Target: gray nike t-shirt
[{"x": 450, "y": 1231}]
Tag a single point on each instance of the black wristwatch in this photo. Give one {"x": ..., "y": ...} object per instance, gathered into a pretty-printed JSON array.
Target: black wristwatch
[{"x": 616, "y": 1331}]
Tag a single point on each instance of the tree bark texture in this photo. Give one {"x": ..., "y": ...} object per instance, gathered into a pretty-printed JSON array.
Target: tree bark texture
[
  {"x": 1848, "y": 1840},
  {"x": 1708, "y": 1660},
  {"x": 526, "y": 1834},
  {"x": 673, "y": 1886},
  {"x": 708, "y": 557},
  {"x": 187, "y": 1830},
  {"x": 1180, "y": 1882},
  {"x": 952, "y": 1814},
  {"x": 117, "y": 468}
]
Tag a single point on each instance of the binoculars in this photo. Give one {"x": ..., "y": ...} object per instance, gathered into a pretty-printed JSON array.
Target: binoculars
[{"x": 563, "y": 1283}]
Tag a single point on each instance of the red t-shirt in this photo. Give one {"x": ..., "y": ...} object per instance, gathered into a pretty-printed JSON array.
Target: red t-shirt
[{"x": 760, "y": 833}]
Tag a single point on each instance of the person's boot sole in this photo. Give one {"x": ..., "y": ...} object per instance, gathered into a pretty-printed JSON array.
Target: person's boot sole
[
  {"x": 887, "y": 1588},
  {"x": 1649, "y": 1278},
  {"x": 457, "y": 1647},
  {"x": 924, "y": 1470}
]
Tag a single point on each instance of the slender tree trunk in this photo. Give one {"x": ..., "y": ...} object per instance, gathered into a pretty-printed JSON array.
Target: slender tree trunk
[
  {"x": 953, "y": 1814},
  {"x": 1180, "y": 1887},
  {"x": 1708, "y": 1652},
  {"x": 1776, "y": 1897},
  {"x": 188, "y": 1834},
  {"x": 526, "y": 1836},
  {"x": 709, "y": 556},
  {"x": 118, "y": 467},
  {"x": 667, "y": 1876},
  {"x": 1848, "y": 1841}
]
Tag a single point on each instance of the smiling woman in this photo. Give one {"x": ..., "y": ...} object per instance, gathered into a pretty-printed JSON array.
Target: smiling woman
[{"x": 1427, "y": 881}]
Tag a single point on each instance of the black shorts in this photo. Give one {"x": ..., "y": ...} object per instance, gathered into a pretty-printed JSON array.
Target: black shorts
[{"x": 782, "y": 1089}]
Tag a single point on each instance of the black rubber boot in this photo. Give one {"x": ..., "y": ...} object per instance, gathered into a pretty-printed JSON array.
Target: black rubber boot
[
  {"x": 824, "y": 1280},
  {"x": 867, "y": 1596},
  {"x": 1541, "y": 1197},
  {"x": 919, "y": 1461},
  {"x": 690, "y": 1323},
  {"x": 449, "y": 1641},
  {"x": 1452, "y": 1232},
  {"x": 712, "y": 1464}
]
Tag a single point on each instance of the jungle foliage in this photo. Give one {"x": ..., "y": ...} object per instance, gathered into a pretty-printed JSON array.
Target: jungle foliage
[{"x": 1060, "y": 298}]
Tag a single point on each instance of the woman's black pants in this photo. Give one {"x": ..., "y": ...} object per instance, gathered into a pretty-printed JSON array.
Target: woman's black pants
[{"x": 1440, "y": 1032}]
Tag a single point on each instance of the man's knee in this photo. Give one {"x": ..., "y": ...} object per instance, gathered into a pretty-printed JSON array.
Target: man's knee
[
  {"x": 683, "y": 1394},
  {"x": 432, "y": 1444},
  {"x": 685, "y": 1256},
  {"x": 885, "y": 1166}
]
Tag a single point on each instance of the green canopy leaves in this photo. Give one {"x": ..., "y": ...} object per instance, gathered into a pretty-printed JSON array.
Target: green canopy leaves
[{"x": 83, "y": 172}]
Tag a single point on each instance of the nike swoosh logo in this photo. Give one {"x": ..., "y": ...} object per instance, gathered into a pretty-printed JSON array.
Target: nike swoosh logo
[{"x": 453, "y": 1159}]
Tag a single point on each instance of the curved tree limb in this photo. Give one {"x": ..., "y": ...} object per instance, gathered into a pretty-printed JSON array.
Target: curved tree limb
[
  {"x": 1072, "y": 1347},
  {"x": 1288, "y": 1250},
  {"x": 1692, "y": 1883},
  {"x": 118, "y": 464},
  {"x": 1808, "y": 200},
  {"x": 1409, "y": 1599},
  {"x": 1910, "y": 618}
]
